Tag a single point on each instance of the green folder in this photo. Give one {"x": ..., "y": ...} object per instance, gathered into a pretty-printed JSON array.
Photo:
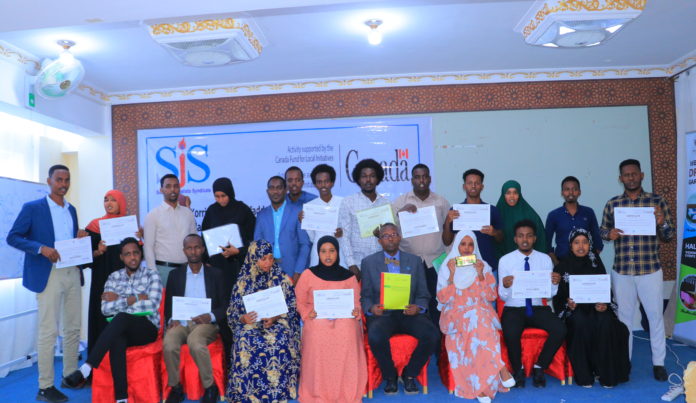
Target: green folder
[
  {"x": 396, "y": 290},
  {"x": 145, "y": 313}
]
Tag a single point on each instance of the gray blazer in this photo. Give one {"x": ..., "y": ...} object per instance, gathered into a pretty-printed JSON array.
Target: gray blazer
[{"x": 371, "y": 268}]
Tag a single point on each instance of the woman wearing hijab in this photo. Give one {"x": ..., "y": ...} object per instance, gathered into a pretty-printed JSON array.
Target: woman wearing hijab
[
  {"x": 265, "y": 359},
  {"x": 333, "y": 365},
  {"x": 228, "y": 210},
  {"x": 514, "y": 208},
  {"x": 597, "y": 340},
  {"x": 470, "y": 324}
]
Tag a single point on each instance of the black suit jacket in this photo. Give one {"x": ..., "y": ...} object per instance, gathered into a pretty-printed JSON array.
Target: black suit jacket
[{"x": 214, "y": 289}]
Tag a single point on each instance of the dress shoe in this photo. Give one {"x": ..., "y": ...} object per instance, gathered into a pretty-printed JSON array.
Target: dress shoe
[
  {"x": 519, "y": 378},
  {"x": 176, "y": 394},
  {"x": 52, "y": 395},
  {"x": 538, "y": 378},
  {"x": 510, "y": 383},
  {"x": 660, "y": 373},
  {"x": 74, "y": 381},
  {"x": 410, "y": 387},
  {"x": 211, "y": 394},
  {"x": 392, "y": 387}
]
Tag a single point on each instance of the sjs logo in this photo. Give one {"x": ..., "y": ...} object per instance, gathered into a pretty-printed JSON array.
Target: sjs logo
[{"x": 175, "y": 159}]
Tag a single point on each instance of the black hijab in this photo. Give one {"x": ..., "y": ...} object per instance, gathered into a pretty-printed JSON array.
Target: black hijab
[
  {"x": 334, "y": 272},
  {"x": 233, "y": 212}
]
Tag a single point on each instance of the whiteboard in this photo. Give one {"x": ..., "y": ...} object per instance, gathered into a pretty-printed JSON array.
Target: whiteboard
[{"x": 13, "y": 195}]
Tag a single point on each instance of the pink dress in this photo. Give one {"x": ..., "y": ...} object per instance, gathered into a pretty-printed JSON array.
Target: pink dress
[
  {"x": 471, "y": 337},
  {"x": 333, "y": 366}
]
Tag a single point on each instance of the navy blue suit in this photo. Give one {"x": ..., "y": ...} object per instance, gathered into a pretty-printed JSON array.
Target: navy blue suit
[{"x": 294, "y": 241}]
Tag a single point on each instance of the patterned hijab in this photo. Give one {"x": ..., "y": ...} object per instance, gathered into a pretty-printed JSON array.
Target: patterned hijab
[
  {"x": 588, "y": 264},
  {"x": 512, "y": 215},
  {"x": 251, "y": 277}
]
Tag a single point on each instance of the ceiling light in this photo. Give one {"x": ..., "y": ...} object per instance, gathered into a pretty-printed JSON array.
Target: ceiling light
[
  {"x": 374, "y": 37},
  {"x": 562, "y": 30},
  {"x": 614, "y": 28},
  {"x": 550, "y": 45}
]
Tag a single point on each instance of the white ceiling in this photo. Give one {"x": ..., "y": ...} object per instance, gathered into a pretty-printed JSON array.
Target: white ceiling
[{"x": 316, "y": 39}]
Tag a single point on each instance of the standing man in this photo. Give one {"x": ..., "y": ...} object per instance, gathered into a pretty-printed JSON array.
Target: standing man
[
  {"x": 637, "y": 274},
  {"x": 368, "y": 174},
  {"x": 566, "y": 218},
  {"x": 193, "y": 280},
  {"x": 294, "y": 177},
  {"x": 489, "y": 234},
  {"x": 279, "y": 224},
  {"x": 38, "y": 226},
  {"x": 165, "y": 228}
]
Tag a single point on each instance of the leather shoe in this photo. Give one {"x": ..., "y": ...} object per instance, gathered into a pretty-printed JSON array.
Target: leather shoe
[
  {"x": 538, "y": 378},
  {"x": 176, "y": 394},
  {"x": 410, "y": 387},
  {"x": 211, "y": 394},
  {"x": 52, "y": 395},
  {"x": 660, "y": 373},
  {"x": 392, "y": 387},
  {"x": 519, "y": 378},
  {"x": 74, "y": 381}
]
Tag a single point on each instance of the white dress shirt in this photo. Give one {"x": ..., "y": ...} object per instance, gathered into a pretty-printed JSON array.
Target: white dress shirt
[
  {"x": 514, "y": 261},
  {"x": 314, "y": 236},
  {"x": 195, "y": 288},
  {"x": 165, "y": 230},
  {"x": 352, "y": 244}
]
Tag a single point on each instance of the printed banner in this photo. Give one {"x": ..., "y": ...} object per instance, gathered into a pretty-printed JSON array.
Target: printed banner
[{"x": 250, "y": 154}]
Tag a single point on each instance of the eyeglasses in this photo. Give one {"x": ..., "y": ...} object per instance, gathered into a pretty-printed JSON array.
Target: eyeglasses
[{"x": 389, "y": 236}]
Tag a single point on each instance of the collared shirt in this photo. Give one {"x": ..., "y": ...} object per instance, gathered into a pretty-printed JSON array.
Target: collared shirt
[
  {"x": 314, "y": 236},
  {"x": 62, "y": 220},
  {"x": 304, "y": 198},
  {"x": 428, "y": 246},
  {"x": 143, "y": 281},
  {"x": 165, "y": 230},
  {"x": 514, "y": 261},
  {"x": 195, "y": 287},
  {"x": 356, "y": 248},
  {"x": 393, "y": 268},
  {"x": 486, "y": 243},
  {"x": 560, "y": 222},
  {"x": 637, "y": 254},
  {"x": 277, "y": 220}
]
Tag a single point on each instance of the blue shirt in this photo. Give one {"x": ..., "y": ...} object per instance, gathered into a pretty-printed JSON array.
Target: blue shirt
[
  {"x": 304, "y": 198},
  {"x": 277, "y": 219},
  {"x": 486, "y": 243},
  {"x": 560, "y": 222},
  {"x": 62, "y": 220}
]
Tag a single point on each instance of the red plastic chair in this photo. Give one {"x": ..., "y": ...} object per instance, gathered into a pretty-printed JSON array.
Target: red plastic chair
[
  {"x": 444, "y": 369},
  {"x": 143, "y": 365},
  {"x": 188, "y": 371}
]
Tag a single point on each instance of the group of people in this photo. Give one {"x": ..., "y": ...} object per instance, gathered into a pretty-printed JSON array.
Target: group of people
[{"x": 294, "y": 355}]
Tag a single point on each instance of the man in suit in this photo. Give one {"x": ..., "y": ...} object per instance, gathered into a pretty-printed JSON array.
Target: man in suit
[
  {"x": 279, "y": 224},
  {"x": 38, "y": 226},
  {"x": 382, "y": 324}
]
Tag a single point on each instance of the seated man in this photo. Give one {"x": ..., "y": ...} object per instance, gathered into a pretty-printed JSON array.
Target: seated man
[
  {"x": 382, "y": 324},
  {"x": 128, "y": 294},
  {"x": 193, "y": 280},
  {"x": 520, "y": 313}
]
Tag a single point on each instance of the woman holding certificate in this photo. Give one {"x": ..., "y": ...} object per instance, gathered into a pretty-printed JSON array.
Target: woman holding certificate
[
  {"x": 597, "y": 340},
  {"x": 465, "y": 289},
  {"x": 266, "y": 351},
  {"x": 333, "y": 366},
  {"x": 513, "y": 209}
]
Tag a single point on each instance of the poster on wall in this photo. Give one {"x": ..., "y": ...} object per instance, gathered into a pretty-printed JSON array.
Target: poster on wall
[
  {"x": 250, "y": 154},
  {"x": 685, "y": 320}
]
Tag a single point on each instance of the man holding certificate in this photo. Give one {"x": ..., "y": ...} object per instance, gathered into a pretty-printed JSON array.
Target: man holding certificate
[
  {"x": 637, "y": 273},
  {"x": 526, "y": 277},
  {"x": 384, "y": 275},
  {"x": 201, "y": 290}
]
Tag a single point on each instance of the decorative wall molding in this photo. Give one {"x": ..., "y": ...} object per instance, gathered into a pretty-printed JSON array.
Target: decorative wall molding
[{"x": 14, "y": 55}]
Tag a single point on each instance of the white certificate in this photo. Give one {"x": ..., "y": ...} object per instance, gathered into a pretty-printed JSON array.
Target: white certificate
[
  {"x": 590, "y": 288},
  {"x": 371, "y": 218},
  {"x": 222, "y": 236},
  {"x": 115, "y": 230},
  {"x": 423, "y": 221},
  {"x": 266, "y": 303},
  {"x": 334, "y": 304},
  {"x": 472, "y": 217},
  {"x": 531, "y": 284},
  {"x": 320, "y": 218},
  {"x": 74, "y": 252},
  {"x": 635, "y": 220},
  {"x": 184, "y": 308}
]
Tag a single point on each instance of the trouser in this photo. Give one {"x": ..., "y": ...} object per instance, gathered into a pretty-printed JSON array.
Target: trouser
[
  {"x": 63, "y": 288},
  {"x": 123, "y": 331},
  {"x": 381, "y": 328},
  {"x": 434, "y": 313},
  {"x": 197, "y": 337},
  {"x": 628, "y": 290},
  {"x": 515, "y": 320}
]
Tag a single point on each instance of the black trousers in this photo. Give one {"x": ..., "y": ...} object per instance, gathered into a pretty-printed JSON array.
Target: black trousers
[
  {"x": 515, "y": 320},
  {"x": 381, "y": 328},
  {"x": 123, "y": 331},
  {"x": 434, "y": 313}
]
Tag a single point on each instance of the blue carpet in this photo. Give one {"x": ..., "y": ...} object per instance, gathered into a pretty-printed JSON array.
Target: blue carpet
[{"x": 21, "y": 386}]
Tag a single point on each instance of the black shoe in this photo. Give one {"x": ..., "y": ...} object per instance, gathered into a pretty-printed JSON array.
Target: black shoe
[
  {"x": 410, "y": 386},
  {"x": 211, "y": 394},
  {"x": 52, "y": 395},
  {"x": 176, "y": 394},
  {"x": 74, "y": 380},
  {"x": 538, "y": 378},
  {"x": 519, "y": 378},
  {"x": 392, "y": 387},
  {"x": 659, "y": 373}
]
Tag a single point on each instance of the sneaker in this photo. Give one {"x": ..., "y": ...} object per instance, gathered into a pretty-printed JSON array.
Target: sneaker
[
  {"x": 675, "y": 390},
  {"x": 391, "y": 388},
  {"x": 538, "y": 378},
  {"x": 74, "y": 381},
  {"x": 410, "y": 387},
  {"x": 52, "y": 395},
  {"x": 659, "y": 373},
  {"x": 176, "y": 394}
]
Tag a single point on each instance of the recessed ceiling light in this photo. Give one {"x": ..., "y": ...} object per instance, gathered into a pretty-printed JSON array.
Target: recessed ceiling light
[
  {"x": 614, "y": 28},
  {"x": 374, "y": 37},
  {"x": 593, "y": 44},
  {"x": 93, "y": 20},
  {"x": 562, "y": 30},
  {"x": 550, "y": 45}
]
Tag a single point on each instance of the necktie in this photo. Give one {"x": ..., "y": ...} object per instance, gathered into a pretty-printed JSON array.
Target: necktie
[{"x": 527, "y": 301}]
